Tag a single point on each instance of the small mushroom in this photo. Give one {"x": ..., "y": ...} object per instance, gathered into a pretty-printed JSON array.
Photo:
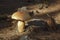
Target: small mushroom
[{"x": 21, "y": 17}]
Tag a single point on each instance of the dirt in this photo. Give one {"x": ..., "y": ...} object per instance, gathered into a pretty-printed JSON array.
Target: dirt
[{"x": 38, "y": 32}]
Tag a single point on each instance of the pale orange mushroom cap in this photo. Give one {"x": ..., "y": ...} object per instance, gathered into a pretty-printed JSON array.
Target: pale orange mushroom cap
[{"x": 21, "y": 16}]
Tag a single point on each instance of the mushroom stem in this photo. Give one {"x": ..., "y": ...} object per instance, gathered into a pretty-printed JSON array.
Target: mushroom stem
[{"x": 21, "y": 26}]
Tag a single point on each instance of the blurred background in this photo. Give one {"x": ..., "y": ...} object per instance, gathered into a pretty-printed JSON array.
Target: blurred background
[{"x": 8, "y": 28}]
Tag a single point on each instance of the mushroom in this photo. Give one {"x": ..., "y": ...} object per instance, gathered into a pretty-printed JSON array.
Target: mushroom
[{"x": 21, "y": 17}]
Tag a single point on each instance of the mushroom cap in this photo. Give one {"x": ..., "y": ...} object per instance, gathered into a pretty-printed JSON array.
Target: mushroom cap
[{"x": 21, "y": 16}]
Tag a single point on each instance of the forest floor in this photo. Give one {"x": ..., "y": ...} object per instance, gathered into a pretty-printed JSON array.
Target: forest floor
[{"x": 11, "y": 33}]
